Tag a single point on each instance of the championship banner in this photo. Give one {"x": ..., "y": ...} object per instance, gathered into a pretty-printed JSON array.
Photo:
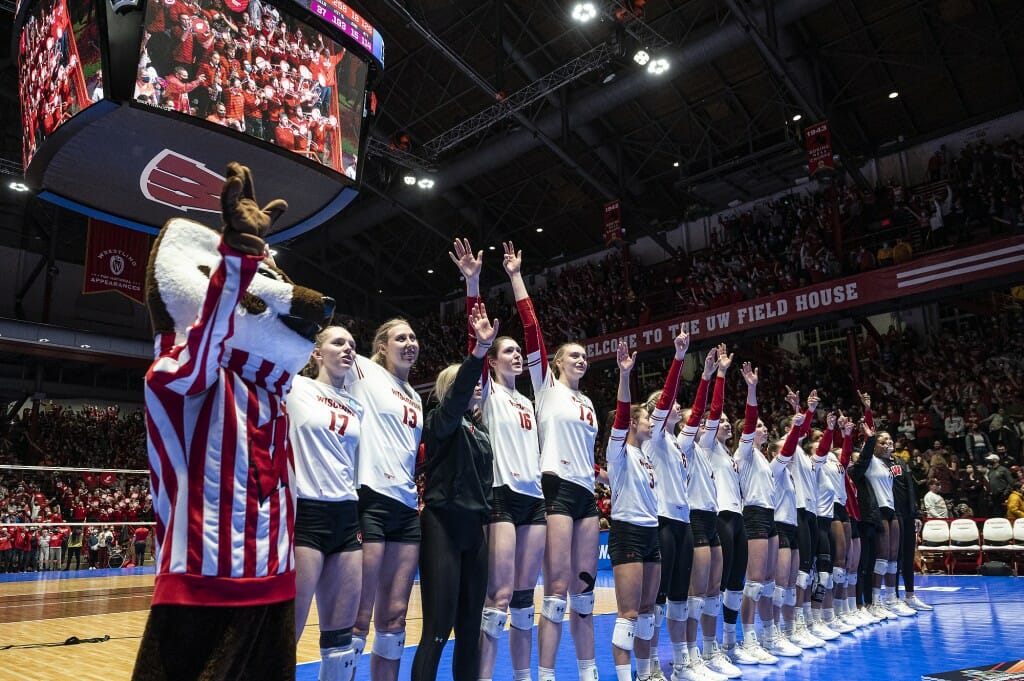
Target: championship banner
[
  {"x": 818, "y": 142},
  {"x": 966, "y": 265},
  {"x": 115, "y": 260},
  {"x": 612, "y": 222}
]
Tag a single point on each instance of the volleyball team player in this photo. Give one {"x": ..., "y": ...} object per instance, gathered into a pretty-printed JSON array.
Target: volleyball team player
[
  {"x": 388, "y": 507},
  {"x": 324, "y": 426},
  {"x": 517, "y": 529},
  {"x": 671, "y": 470},
  {"x": 788, "y": 560},
  {"x": 633, "y": 540}
]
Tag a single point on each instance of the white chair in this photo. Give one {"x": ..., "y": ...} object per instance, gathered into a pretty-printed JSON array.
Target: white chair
[
  {"x": 1018, "y": 544},
  {"x": 997, "y": 540},
  {"x": 964, "y": 545},
  {"x": 934, "y": 543}
]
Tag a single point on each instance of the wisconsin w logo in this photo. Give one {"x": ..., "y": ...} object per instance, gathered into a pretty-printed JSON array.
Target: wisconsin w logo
[{"x": 181, "y": 183}]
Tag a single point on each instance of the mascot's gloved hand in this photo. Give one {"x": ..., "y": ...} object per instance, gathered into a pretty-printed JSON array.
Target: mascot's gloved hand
[{"x": 245, "y": 222}]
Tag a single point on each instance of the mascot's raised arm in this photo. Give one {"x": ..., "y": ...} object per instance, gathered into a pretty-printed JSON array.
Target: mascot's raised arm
[{"x": 230, "y": 332}]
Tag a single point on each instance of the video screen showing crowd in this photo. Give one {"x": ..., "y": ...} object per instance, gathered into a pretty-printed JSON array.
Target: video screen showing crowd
[
  {"x": 258, "y": 71},
  {"x": 59, "y": 62}
]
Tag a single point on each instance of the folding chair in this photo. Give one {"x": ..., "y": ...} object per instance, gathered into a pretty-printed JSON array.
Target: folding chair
[
  {"x": 964, "y": 545},
  {"x": 934, "y": 545},
  {"x": 997, "y": 541}
]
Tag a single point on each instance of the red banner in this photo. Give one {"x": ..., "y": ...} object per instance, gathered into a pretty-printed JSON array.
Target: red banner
[
  {"x": 115, "y": 260},
  {"x": 985, "y": 261},
  {"x": 818, "y": 142},
  {"x": 612, "y": 222}
]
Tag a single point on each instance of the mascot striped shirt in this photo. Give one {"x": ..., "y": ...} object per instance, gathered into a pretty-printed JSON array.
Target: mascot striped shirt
[{"x": 220, "y": 459}]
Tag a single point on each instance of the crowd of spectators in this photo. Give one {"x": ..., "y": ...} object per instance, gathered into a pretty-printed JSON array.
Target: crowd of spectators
[{"x": 87, "y": 437}]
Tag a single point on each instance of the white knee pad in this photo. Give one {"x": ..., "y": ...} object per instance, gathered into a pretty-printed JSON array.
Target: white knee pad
[
  {"x": 778, "y": 596},
  {"x": 677, "y": 611},
  {"x": 553, "y": 608},
  {"x": 337, "y": 664},
  {"x": 582, "y": 604},
  {"x": 389, "y": 644},
  {"x": 825, "y": 579},
  {"x": 733, "y": 599},
  {"x": 659, "y": 614},
  {"x": 838, "y": 576},
  {"x": 881, "y": 565},
  {"x": 492, "y": 622},
  {"x": 851, "y": 579},
  {"x": 694, "y": 607},
  {"x": 751, "y": 590},
  {"x": 645, "y": 626},
  {"x": 622, "y": 634},
  {"x": 522, "y": 618},
  {"x": 803, "y": 580},
  {"x": 892, "y": 568},
  {"x": 358, "y": 645},
  {"x": 790, "y": 598},
  {"x": 712, "y": 606},
  {"x": 768, "y": 589}
]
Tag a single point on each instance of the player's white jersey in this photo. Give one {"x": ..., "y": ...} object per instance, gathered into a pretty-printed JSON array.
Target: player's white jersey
[
  {"x": 700, "y": 486},
  {"x": 631, "y": 477},
  {"x": 324, "y": 427},
  {"x": 806, "y": 485},
  {"x": 880, "y": 478},
  {"x": 727, "y": 477},
  {"x": 512, "y": 425},
  {"x": 755, "y": 475},
  {"x": 568, "y": 428},
  {"x": 784, "y": 493}
]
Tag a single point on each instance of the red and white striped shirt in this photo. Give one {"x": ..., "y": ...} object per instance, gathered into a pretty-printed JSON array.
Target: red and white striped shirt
[{"x": 220, "y": 459}]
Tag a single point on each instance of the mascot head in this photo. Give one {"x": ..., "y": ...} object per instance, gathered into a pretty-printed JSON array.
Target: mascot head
[{"x": 276, "y": 319}]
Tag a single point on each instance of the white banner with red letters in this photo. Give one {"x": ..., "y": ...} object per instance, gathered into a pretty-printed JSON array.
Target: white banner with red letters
[{"x": 962, "y": 266}]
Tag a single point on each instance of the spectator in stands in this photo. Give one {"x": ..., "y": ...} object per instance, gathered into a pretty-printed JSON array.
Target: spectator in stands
[
  {"x": 934, "y": 503},
  {"x": 902, "y": 251},
  {"x": 954, "y": 426},
  {"x": 1000, "y": 481},
  {"x": 974, "y": 490},
  {"x": 1015, "y": 502},
  {"x": 976, "y": 445}
]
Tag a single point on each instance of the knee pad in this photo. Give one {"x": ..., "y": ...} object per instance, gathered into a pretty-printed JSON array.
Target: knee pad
[
  {"x": 588, "y": 579},
  {"x": 732, "y": 599},
  {"x": 622, "y": 634},
  {"x": 358, "y": 644},
  {"x": 645, "y": 626},
  {"x": 892, "y": 568},
  {"x": 768, "y": 589},
  {"x": 677, "y": 611},
  {"x": 582, "y": 604},
  {"x": 779, "y": 596},
  {"x": 553, "y": 608},
  {"x": 492, "y": 622},
  {"x": 825, "y": 580},
  {"x": 751, "y": 590},
  {"x": 389, "y": 644},
  {"x": 659, "y": 614},
  {"x": 337, "y": 664},
  {"x": 851, "y": 579},
  {"x": 336, "y": 638},
  {"x": 712, "y": 606},
  {"x": 694, "y": 607},
  {"x": 881, "y": 565},
  {"x": 521, "y": 609},
  {"x": 823, "y": 563},
  {"x": 790, "y": 598},
  {"x": 838, "y": 576},
  {"x": 803, "y": 580}
]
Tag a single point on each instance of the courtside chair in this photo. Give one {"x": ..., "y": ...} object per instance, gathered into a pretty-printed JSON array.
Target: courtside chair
[
  {"x": 997, "y": 541},
  {"x": 934, "y": 545},
  {"x": 964, "y": 545}
]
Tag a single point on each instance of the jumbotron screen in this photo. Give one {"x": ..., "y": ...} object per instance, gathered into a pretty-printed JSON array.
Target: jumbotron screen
[
  {"x": 258, "y": 71},
  {"x": 59, "y": 68}
]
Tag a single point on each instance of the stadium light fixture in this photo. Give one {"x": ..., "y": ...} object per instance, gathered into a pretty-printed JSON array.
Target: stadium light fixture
[
  {"x": 540, "y": 229},
  {"x": 796, "y": 118},
  {"x": 658, "y": 66},
  {"x": 430, "y": 271},
  {"x": 409, "y": 180},
  {"x": 425, "y": 183},
  {"x": 641, "y": 57},
  {"x": 18, "y": 186},
  {"x": 584, "y": 12},
  {"x": 894, "y": 94},
  {"x": 675, "y": 164}
]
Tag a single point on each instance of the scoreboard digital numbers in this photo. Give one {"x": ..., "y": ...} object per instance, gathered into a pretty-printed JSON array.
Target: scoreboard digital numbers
[{"x": 343, "y": 17}]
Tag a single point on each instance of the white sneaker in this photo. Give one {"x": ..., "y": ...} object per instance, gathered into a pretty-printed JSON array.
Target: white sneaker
[
  {"x": 822, "y": 631},
  {"x": 917, "y": 604},
  {"x": 741, "y": 654},
  {"x": 762, "y": 655},
  {"x": 803, "y": 638},
  {"x": 657, "y": 674},
  {"x": 882, "y": 613},
  {"x": 684, "y": 672},
  {"x": 901, "y": 608},
  {"x": 867, "y": 615},
  {"x": 840, "y": 626},
  {"x": 779, "y": 645},
  {"x": 717, "y": 661},
  {"x": 696, "y": 670},
  {"x": 852, "y": 620}
]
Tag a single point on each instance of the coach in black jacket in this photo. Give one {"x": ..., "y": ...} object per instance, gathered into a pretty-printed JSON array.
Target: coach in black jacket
[{"x": 457, "y": 503}]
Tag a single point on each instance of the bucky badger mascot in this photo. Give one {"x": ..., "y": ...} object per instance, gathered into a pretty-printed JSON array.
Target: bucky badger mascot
[{"x": 230, "y": 331}]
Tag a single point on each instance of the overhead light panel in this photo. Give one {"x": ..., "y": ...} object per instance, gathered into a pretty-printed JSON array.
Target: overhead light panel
[
  {"x": 658, "y": 66},
  {"x": 584, "y": 12},
  {"x": 409, "y": 180},
  {"x": 18, "y": 186},
  {"x": 894, "y": 94},
  {"x": 796, "y": 117},
  {"x": 642, "y": 57},
  {"x": 425, "y": 183}
]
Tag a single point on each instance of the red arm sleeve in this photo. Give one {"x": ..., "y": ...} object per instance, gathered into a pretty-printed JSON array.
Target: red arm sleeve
[
  {"x": 750, "y": 419},
  {"x": 844, "y": 458},
  {"x": 621, "y": 416},
  {"x": 699, "y": 402},
  {"x": 806, "y": 428},
  {"x": 717, "y": 399},
  {"x": 869, "y": 418},
  {"x": 668, "y": 392},
  {"x": 789, "y": 446},
  {"x": 825, "y": 443}
]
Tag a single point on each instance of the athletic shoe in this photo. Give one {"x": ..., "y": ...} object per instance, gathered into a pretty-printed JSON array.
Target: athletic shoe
[
  {"x": 900, "y": 608},
  {"x": 779, "y": 645},
  {"x": 657, "y": 674},
  {"x": 867, "y": 615},
  {"x": 762, "y": 655},
  {"x": 917, "y": 604},
  {"x": 695, "y": 670},
  {"x": 881, "y": 613},
  {"x": 822, "y": 631},
  {"x": 840, "y": 626},
  {"x": 851, "y": 620},
  {"x": 740, "y": 654},
  {"x": 803, "y": 638},
  {"x": 718, "y": 662}
]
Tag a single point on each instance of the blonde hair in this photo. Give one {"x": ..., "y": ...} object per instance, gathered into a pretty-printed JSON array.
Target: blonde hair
[
  {"x": 559, "y": 354},
  {"x": 652, "y": 401},
  {"x": 444, "y": 381},
  {"x": 312, "y": 368},
  {"x": 381, "y": 338}
]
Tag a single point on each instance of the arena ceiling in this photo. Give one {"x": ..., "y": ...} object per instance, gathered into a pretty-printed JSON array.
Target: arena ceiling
[{"x": 739, "y": 71}]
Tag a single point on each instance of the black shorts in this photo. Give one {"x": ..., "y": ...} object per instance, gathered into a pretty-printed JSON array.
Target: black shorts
[
  {"x": 513, "y": 507},
  {"x": 704, "y": 525},
  {"x": 759, "y": 522},
  {"x": 788, "y": 538},
  {"x": 887, "y": 513},
  {"x": 562, "y": 497},
  {"x": 384, "y": 519},
  {"x": 629, "y": 543},
  {"x": 854, "y": 529},
  {"x": 328, "y": 526},
  {"x": 840, "y": 513}
]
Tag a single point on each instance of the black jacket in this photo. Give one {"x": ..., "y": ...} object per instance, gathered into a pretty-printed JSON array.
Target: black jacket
[
  {"x": 458, "y": 468},
  {"x": 865, "y": 495},
  {"x": 904, "y": 493}
]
